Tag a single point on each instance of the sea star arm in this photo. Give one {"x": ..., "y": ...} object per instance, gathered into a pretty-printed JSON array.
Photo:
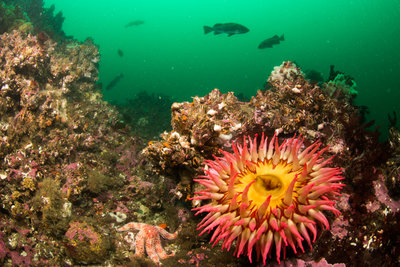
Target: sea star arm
[
  {"x": 167, "y": 235},
  {"x": 139, "y": 243},
  {"x": 129, "y": 226},
  {"x": 151, "y": 242},
  {"x": 160, "y": 251}
]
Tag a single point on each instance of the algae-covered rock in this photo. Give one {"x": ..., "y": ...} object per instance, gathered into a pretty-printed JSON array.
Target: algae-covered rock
[{"x": 85, "y": 244}]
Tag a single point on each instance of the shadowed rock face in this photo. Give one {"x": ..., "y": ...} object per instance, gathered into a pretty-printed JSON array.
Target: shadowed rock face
[{"x": 42, "y": 19}]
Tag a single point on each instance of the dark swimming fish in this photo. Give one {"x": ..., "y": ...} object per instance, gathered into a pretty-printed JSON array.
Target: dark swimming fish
[
  {"x": 228, "y": 28},
  {"x": 120, "y": 53},
  {"x": 268, "y": 43},
  {"x": 134, "y": 23},
  {"x": 114, "y": 82}
]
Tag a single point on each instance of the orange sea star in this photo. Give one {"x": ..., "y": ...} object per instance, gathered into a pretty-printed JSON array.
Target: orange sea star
[{"x": 149, "y": 237}]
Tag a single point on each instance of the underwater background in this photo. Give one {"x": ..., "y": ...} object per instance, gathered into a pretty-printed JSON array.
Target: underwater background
[
  {"x": 199, "y": 133},
  {"x": 170, "y": 54}
]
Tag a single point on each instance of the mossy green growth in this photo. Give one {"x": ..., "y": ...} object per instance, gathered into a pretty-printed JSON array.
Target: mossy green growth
[
  {"x": 50, "y": 206},
  {"x": 341, "y": 87},
  {"x": 85, "y": 244},
  {"x": 98, "y": 182}
]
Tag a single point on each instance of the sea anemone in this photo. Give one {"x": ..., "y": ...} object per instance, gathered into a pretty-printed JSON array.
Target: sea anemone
[{"x": 266, "y": 196}]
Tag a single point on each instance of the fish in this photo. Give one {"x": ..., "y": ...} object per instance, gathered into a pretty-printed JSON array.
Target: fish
[
  {"x": 268, "y": 43},
  {"x": 228, "y": 28},
  {"x": 134, "y": 23},
  {"x": 114, "y": 81},
  {"x": 120, "y": 53}
]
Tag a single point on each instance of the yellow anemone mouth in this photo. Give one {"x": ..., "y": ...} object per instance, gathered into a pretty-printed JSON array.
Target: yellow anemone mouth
[{"x": 270, "y": 180}]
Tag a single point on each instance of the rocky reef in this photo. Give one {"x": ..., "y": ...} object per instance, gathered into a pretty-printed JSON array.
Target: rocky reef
[
  {"x": 62, "y": 149},
  {"x": 292, "y": 105},
  {"x": 79, "y": 186}
]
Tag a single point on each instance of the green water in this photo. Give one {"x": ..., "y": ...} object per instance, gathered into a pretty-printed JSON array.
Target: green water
[{"x": 170, "y": 54}]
